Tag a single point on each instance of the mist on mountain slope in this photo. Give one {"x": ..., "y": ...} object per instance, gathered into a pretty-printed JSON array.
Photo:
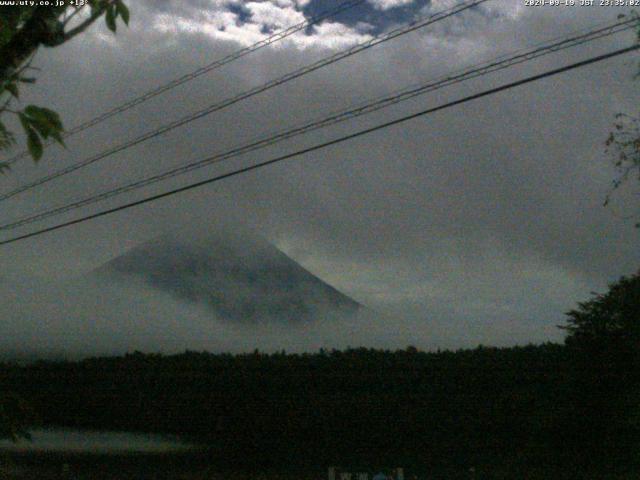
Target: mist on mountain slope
[
  {"x": 238, "y": 274},
  {"x": 72, "y": 320},
  {"x": 88, "y": 318},
  {"x": 177, "y": 292}
]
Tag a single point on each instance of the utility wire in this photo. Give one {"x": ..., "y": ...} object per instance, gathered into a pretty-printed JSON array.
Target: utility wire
[
  {"x": 485, "y": 68},
  {"x": 414, "y": 25},
  {"x": 320, "y": 146},
  {"x": 275, "y": 37}
]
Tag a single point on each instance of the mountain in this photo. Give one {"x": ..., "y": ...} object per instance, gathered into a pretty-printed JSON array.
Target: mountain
[{"x": 238, "y": 274}]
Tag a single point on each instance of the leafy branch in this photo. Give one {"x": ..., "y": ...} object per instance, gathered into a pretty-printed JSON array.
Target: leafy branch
[
  {"x": 23, "y": 29},
  {"x": 623, "y": 142}
]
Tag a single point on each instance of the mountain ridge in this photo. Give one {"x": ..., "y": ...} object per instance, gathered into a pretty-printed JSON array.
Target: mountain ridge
[{"x": 240, "y": 275}]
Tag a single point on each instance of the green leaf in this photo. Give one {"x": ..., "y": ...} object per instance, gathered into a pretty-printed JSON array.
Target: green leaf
[
  {"x": 34, "y": 144},
  {"x": 53, "y": 117},
  {"x": 58, "y": 138},
  {"x": 45, "y": 116},
  {"x": 97, "y": 6},
  {"x": 6, "y": 137},
  {"x": 54, "y": 32},
  {"x": 57, "y": 123},
  {"x": 24, "y": 120},
  {"x": 43, "y": 129},
  {"x": 40, "y": 122},
  {"x": 110, "y": 18},
  {"x": 122, "y": 9}
]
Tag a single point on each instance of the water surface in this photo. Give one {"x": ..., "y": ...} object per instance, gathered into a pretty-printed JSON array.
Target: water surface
[{"x": 98, "y": 442}]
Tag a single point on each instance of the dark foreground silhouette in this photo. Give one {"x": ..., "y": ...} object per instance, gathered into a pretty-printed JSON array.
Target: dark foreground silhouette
[{"x": 512, "y": 409}]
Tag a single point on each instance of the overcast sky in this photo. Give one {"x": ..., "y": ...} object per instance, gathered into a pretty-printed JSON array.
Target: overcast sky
[{"x": 482, "y": 223}]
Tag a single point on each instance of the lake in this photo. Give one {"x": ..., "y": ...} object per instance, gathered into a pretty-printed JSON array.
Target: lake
[{"x": 97, "y": 442}]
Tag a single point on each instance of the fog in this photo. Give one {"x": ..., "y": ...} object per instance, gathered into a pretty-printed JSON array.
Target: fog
[{"x": 88, "y": 317}]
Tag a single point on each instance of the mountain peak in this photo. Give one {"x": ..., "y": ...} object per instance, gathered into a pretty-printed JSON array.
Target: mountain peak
[{"x": 235, "y": 272}]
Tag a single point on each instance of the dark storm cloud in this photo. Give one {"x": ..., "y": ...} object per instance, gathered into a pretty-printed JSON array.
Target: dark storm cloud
[{"x": 482, "y": 223}]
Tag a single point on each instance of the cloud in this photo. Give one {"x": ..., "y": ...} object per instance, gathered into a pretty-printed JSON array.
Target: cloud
[
  {"x": 388, "y": 4},
  {"x": 259, "y": 20},
  {"x": 481, "y": 222},
  {"x": 92, "y": 318},
  {"x": 275, "y": 15}
]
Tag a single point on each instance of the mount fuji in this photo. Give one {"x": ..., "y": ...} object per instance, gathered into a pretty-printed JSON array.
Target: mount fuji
[{"x": 240, "y": 276}]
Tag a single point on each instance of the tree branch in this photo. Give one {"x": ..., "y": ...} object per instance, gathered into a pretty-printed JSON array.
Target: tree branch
[
  {"x": 87, "y": 23},
  {"x": 34, "y": 32},
  {"x": 75, "y": 12}
]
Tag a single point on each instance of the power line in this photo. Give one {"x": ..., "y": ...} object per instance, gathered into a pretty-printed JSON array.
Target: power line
[
  {"x": 414, "y": 25},
  {"x": 275, "y": 37},
  {"x": 320, "y": 146},
  {"x": 485, "y": 68}
]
